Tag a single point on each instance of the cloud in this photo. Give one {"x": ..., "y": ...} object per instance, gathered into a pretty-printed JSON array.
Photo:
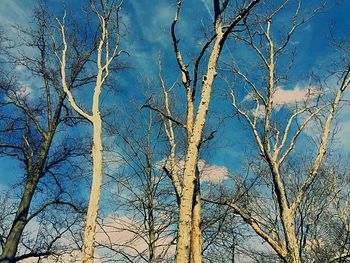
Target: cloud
[
  {"x": 66, "y": 246},
  {"x": 24, "y": 91},
  {"x": 259, "y": 112},
  {"x": 285, "y": 97},
  {"x": 297, "y": 94},
  {"x": 344, "y": 130},
  {"x": 153, "y": 19},
  {"x": 121, "y": 233},
  {"x": 112, "y": 156},
  {"x": 130, "y": 236},
  {"x": 206, "y": 4},
  {"x": 208, "y": 173},
  {"x": 212, "y": 173},
  {"x": 73, "y": 256},
  {"x": 11, "y": 12}
]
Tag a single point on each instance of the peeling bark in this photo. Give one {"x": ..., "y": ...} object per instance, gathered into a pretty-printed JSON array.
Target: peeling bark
[
  {"x": 185, "y": 215},
  {"x": 189, "y": 214},
  {"x": 196, "y": 233}
]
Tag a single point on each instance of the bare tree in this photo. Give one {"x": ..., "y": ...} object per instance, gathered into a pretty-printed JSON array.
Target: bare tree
[
  {"x": 189, "y": 241},
  {"x": 276, "y": 142},
  {"x": 139, "y": 190},
  {"x": 107, "y": 15},
  {"x": 28, "y": 132},
  {"x": 326, "y": 209},
  {"x": 189, "y": 234}
]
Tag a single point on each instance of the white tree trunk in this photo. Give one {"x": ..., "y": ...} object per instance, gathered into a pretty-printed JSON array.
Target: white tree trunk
[
  {"x": 186, "y": 205},
  {"x": 196, "y": 234},
  {"x": 91, "y": 217}
]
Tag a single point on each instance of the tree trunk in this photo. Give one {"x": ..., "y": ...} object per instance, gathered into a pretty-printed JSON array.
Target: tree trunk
[
  {"x": 293, "y": 251},
  {"x": 150, "y": 212},
  {"x": 20, "y": 221},
  {"x": 91, "y": 217},
  {"x": 196, "y": 234},
  {"x": 185, "y": 214},
  {"x": 151, "y": 236},
  {"x": 186, "y": 205}
]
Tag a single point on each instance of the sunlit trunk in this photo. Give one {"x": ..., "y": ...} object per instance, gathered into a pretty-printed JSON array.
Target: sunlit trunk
[
  {"x": 91, "y": 217},
  {"x": 185, "y": 214},
  {"x": 196, "y": 234},
  {"x": 186, "y": 205},
  {"x": 293, "y": 249}
]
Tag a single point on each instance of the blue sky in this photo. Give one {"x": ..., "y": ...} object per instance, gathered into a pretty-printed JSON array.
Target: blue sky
[{"x": 147, "y": 35}]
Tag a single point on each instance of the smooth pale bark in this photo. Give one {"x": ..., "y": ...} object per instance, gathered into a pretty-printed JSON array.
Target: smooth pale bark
[
  {"x": 292, "y": 242},
  {"x": 289, "y": 250},
  {"x": 196, "y": 233},
  {"x": 293, "y": 248},
  {"x": 168, "y": 125},
  {"x": 292, "y": 254},
  {"x": 88, "y": 249},
  {"x": 91, "y": 217},
  {"x": 280, "y": 249},
  {"x": 185, "y": 216}
]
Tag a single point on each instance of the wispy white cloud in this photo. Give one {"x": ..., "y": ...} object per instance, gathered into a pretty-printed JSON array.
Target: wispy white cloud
[
  {"x": 206, "y": 4},
  {"x": 344, "y": 129},
  {"x": 209, "y": 173},
  {"x": 24, "y": 91},
  {"x": 212, "y": 173},
  {"x": 296, "y": 95},
  {"x": 73, "y": 256},
  {"x": 154, "y": 22},
  {"x": 130, "y": 236},
  {"x": 12, "y": 12},
  {"x": 286, "y": 97}
]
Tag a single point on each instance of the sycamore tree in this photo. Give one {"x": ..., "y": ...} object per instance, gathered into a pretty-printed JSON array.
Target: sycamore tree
[
  {"x": 324, "y": 214},
  {"x": 106, "y": 51},
  {"x": 279, "y": 124},
  {"x": 32, "y": 114},
  {"x": 189, "y": 240}
]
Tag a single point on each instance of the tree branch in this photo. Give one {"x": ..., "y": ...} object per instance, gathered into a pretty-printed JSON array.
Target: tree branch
[{"x": 280, "y": 250}]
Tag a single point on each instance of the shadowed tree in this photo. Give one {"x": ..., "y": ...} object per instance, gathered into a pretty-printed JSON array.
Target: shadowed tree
[{"x": 31, "y": 117}]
